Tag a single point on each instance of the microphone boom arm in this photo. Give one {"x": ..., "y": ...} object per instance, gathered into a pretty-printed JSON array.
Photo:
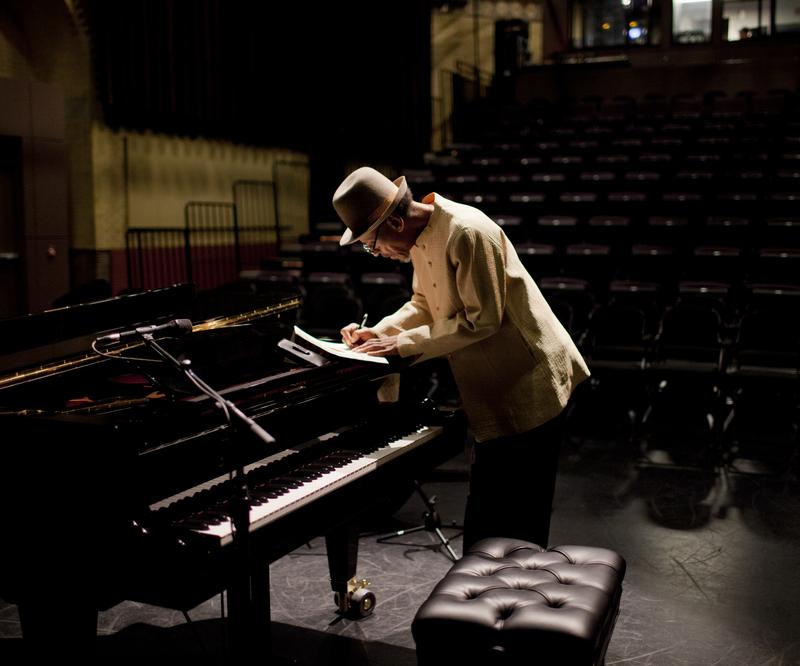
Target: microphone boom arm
[{"x": 226, "y": 405}]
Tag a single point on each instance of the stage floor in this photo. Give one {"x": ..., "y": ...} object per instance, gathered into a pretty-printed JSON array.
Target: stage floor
[{"x": 712, "y": 578}]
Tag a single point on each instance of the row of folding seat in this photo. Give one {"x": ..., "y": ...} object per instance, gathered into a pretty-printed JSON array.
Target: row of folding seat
[
  {"x": 710, "y": 170},
  {"x": 688, "y": 109},
  {"x": 574, "y": 163},
  {"x": 657, "y": 164},
  {"x": 731, "y": 299},
  {"x": 761, "y": 224},
  {"x": 695, "y": 390},
  {"x": 622, "y": 336},
  {"x": 564, "y": 130},
  {"x": 712, "y": 100},
  {"x": 332, "y": 299},
  {"x": 630, "y": 187},
  {"x": 675, "y": 196},
  {"x": 668, "y": 139},
  {"x": 558, "y": 136},
  {"x": 664, "y": 161},
  {"x": 634, "y": 203},
  {"x": 675, "y": 231},
  {"x": 662, "y": 264},
  {"x": 688, "y": 363},
  {"x": 590, "y": 195},
  {"x": 753, "y": 152}
]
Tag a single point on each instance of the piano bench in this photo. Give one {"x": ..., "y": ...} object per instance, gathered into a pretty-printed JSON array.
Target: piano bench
[{"x": 511, "y": 602}]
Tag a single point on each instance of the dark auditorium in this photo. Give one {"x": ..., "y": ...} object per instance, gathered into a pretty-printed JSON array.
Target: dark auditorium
[{"x": 417, "y": 333}]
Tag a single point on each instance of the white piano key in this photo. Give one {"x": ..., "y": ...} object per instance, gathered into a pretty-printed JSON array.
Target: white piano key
[{"x": 309, "y": 491}]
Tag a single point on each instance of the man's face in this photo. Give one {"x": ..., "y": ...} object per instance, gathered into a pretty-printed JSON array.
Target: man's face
[
  {"x": 392, "y": 244},
  {"x": 392, "y": 248}
]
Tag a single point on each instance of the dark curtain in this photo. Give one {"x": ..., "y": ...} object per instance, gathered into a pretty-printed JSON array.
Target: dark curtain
[{"x": 352, "y": 75}]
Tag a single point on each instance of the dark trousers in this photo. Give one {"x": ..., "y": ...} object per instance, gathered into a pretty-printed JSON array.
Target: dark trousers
[{"x": 512, "y": 481}]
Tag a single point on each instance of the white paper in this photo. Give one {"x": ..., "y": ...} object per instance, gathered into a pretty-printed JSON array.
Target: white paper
[{"x": 339, "y": 349}]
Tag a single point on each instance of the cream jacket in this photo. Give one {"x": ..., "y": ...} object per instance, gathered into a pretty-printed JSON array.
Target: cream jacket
[{"x": 473, "y": 301}]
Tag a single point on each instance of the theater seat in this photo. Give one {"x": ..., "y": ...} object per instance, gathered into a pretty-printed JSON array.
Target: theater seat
[{"x": 330, "y": 303}]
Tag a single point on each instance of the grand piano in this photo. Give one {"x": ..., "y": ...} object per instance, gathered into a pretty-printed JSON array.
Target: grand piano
[{"x": 121, "y": 480}]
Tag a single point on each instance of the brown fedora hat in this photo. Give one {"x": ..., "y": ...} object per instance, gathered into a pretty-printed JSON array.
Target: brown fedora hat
[{"x": 364, "y": 200}]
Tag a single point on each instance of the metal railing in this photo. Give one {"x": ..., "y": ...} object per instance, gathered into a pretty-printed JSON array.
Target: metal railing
[
  {"x": 157, "y": 257},
  {"x": 212, "y": 237},
  {"x": 219, "y": 239},
  {"x": 213, "y": 245}
]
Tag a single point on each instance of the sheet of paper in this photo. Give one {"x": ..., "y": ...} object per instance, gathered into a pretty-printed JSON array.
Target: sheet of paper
[{"x": 337, "y": 348}]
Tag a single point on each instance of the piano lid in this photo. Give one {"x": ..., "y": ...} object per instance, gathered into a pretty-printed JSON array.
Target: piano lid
[
  {"x": 53, "y": 342},
  {"x": 152, "y": 409},
  {"x": 58, "y": 325}
]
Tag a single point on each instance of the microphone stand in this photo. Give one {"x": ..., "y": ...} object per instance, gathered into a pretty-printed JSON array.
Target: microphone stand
[{"x": 244, "y": 598}]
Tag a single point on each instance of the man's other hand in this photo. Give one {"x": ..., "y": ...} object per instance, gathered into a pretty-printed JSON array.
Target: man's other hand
[{"x": 386, "y": 346}]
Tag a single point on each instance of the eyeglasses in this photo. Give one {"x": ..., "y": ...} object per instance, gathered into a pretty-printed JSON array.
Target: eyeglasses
[{"x": 370, "y": 249}]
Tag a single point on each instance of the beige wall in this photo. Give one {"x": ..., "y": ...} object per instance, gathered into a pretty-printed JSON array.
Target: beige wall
[{"x": 165, "y": 172}]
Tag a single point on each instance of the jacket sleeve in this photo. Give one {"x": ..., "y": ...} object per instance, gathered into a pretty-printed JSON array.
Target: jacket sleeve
[
  {"x": 480, "y": 276},
  {"x": 415, "y": 312}
]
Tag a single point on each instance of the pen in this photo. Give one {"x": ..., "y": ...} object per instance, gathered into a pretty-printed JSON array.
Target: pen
[{"x": 363, "y": 321}]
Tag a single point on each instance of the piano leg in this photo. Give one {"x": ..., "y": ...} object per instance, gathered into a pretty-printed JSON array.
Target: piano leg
[
  {"x": 249, "y": 612},
  {"x": 342, "y": 546},
  {"x": 350, "y": 595}
]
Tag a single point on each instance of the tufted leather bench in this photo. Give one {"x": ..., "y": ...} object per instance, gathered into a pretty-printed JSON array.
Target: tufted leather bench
[{"x": 511, "y": 602}]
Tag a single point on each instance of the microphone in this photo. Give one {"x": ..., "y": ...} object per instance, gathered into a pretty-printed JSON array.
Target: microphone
[{"x": 175, "y": 327}]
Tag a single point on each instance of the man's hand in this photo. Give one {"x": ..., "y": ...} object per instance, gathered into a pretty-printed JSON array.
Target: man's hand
[
  {"x": 353, "y": 336},
  {"x": 386, "y": 346}
]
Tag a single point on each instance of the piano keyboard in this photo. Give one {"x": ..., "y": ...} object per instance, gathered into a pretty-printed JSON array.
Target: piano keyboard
[
  {"x": 276, "y": 497},
  {"x": 216, "y": 482}
]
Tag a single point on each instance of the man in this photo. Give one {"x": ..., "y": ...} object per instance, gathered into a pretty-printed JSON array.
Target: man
[{"x": 473, "y": 301}]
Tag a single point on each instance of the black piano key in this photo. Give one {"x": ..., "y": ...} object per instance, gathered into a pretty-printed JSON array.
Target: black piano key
[
  {"x": 192, "y": 524},
  {"x": 288, "y": 482},
  {"x": 265, "y": 493}
]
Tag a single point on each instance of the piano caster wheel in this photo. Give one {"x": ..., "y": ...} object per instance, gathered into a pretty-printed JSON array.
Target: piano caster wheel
[
  {"x": 362, "y": 603},
  {"x": 358, "y": 601}
]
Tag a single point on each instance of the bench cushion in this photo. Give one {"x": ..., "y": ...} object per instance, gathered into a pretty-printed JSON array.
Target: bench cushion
[{"x": 512, "y": 598}]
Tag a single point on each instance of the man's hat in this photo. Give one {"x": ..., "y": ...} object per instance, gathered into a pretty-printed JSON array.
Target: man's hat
[{"x": 364, "y": 200}]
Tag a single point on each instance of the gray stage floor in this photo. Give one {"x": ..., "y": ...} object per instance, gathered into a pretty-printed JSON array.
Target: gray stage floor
[{"x": 704, "y": 585}]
